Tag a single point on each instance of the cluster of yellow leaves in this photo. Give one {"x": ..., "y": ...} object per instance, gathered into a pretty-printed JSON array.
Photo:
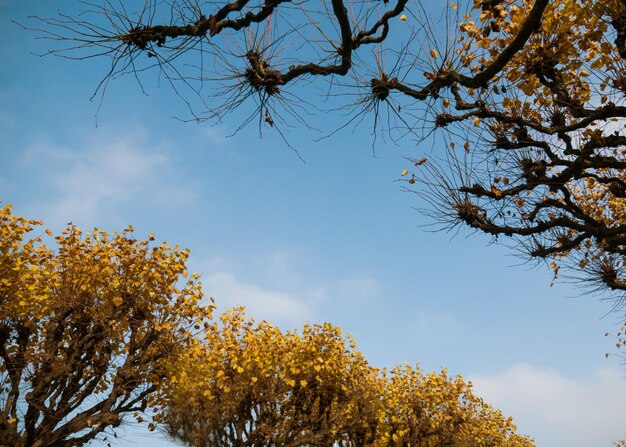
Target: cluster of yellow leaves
[
  {"x": 254, "y": 382},
  {"x": 437, "y": 409},
  {"x": 574, "y": 37},
  {"x": 599, "y": 202},
  {"x": 255, "y": 385},
  {"x": 19, "y": 277}
]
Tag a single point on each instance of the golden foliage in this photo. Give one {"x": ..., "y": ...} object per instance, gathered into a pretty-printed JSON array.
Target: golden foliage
[
  {"x": 430, "y": 409},
  {"x": 87, "y": 328},
  {"x": 253, "y": 385}
]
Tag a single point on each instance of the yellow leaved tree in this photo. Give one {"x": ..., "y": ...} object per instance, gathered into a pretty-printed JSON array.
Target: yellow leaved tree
[
  {"x": 433, "y": 409},
  {"x": 87, "y": 329},
  {"x": 253, "y": 385}
]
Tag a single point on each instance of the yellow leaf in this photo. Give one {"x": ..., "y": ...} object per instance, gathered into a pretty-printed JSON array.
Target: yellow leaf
[{"x": 405, "y": 172}]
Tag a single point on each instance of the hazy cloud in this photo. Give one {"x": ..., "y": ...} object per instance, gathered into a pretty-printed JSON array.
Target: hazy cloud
[
  {"x": 279, "y": 289},
  {"x": 261, "y": 303},
  {"x": 89, "y": 184},
  {"x": 558, "y": 410}
]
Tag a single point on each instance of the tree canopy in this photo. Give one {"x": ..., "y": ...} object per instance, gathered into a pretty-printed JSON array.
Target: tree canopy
[
  {"x": 254, "y": 385},
  {"x": 87, "y": 329}
]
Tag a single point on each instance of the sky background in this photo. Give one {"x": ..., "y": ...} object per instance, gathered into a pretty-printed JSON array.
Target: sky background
[{"x": 335, "y": 238}]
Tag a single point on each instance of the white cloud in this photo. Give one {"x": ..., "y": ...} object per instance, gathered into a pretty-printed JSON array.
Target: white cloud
[
  {"x": 87, "y": 185},
  {"x": 558, "y": 410},
  {"x": 261, "y": 303},
  {"x": 286, "y": 268},
  {"x": 273, "y": 287}
]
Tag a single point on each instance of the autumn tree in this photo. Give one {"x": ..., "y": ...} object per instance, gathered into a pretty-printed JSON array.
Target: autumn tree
[
  {"x": 436, "y": 409},
  {"x": 537, "y": 152},
  {"x": 254, "y": 385},
  {"x": 87, "y": 329}
]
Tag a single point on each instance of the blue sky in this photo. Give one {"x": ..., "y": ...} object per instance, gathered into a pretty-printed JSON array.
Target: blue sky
[{"x": 333, "y": 239}]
